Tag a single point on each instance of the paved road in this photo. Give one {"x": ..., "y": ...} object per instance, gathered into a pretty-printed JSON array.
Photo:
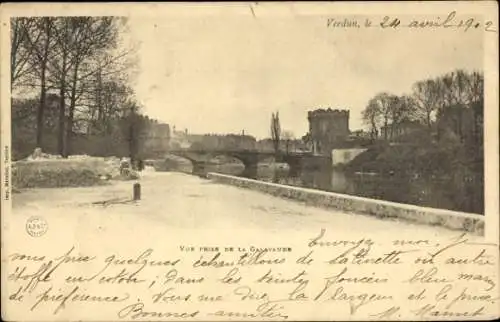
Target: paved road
[{"x": 175, "y": 200}]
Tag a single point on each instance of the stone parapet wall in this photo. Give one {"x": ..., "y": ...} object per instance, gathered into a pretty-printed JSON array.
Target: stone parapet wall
[{"x": 472, "y": 223}]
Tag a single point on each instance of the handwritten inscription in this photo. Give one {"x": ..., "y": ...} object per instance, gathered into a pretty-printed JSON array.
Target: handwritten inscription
[
  {"x": 450, "y": 21},
  {"x": 353, "y": 278}
]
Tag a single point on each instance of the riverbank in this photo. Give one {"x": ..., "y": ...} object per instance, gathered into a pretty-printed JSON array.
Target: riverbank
[{"x": 454, "y": 174}]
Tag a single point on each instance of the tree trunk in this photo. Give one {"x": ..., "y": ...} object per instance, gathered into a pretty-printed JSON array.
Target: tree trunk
[
  {"x": 100, "y": 111},
  {"x": 43, "y": 90},
  {"x": 41, "y": 108},
  {"x": 374, "y": 129},
  {"x": 460, "y": 124},
  {"x": 62, "y": 108},
  {"x": 428, "y": 116},
  {"x": 385, "y": 129},
  {"x": 132, "y": 140},
  {"x": 69, "y": 125}
]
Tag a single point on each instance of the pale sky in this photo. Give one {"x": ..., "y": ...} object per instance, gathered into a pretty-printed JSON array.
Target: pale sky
[{"x": 227, "y": 74}]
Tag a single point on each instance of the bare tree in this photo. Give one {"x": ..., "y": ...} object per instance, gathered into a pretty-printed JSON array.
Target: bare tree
[
  {"x": 275, "y": 131},
  {"x": 80, "y": 41},
  {"x": 475, "y": 87},
  {"x": 456, "y": 95},
  {"x": 62, "y": 66},
  {"x": 91, "y": 35},
  {"x": 78, "y": 57},
  {"x": 402, "y": 109},
  {"x": 21, "y": 50},
  {"x": 108, "y": 76},
  {"x": 385, "y": 102},
  {"x": 371, "y": 116},
  {"x": 427, "y": 98},
  {"x": 455, "y": 88},
  {"x": 37, "y": 40}
]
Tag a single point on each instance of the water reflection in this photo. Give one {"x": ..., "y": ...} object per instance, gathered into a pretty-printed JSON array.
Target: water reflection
[{"x": 428, "y": 192}]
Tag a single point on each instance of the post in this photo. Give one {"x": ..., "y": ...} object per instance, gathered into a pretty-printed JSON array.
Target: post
[
  {"x": 199, "y": 168},
  {"x": 137, "y": 191}
]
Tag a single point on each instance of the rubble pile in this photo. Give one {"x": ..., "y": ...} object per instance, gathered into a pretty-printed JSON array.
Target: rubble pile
[{"x": 46, "y": 170}]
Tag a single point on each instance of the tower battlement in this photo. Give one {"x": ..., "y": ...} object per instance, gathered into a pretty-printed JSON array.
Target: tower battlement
[{"x": 328, "y": 113}]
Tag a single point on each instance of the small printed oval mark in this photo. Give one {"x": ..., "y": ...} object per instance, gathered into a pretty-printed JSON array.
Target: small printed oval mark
[{"x": 36, "y": 226}]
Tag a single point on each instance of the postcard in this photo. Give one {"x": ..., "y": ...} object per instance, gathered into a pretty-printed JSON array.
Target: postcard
[{"x": 250, "y": 161}]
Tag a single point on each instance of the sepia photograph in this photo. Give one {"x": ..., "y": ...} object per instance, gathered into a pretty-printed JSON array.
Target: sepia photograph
[{"x": 250, "y": 161}]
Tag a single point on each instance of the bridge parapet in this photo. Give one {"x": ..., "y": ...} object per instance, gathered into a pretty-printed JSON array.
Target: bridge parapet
[{"x": 251, "y": 158}]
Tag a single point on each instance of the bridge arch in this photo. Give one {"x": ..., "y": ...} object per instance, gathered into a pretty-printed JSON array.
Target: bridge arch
[
  {"x": 181, "y": 163},
  {"x": 225, "y": 163},
  {"x": 250, "y": 159},
  {"x": 198, "y": 165},
  {"x": 201, "y": 159}
]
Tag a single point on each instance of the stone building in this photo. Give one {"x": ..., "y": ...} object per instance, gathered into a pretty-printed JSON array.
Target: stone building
[
  {"x": 225, "y": 142},
  {"x": 157, "y": 138},
  {"x": 328, "y": 129},
  {"x": 211, "y": 142},
  {"x": 183, "y": 139}
]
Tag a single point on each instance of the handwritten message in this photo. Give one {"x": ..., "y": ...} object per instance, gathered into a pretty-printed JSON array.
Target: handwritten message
[
  {"x": 450, "y": 21},
  {"x": 319, "y": 277}
]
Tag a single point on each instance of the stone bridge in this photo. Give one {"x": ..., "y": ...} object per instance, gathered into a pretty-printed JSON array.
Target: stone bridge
[{"x": 251, "y": 159}]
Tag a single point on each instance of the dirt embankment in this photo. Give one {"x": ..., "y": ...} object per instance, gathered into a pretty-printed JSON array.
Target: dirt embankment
[{"x": 429, "y": 160}]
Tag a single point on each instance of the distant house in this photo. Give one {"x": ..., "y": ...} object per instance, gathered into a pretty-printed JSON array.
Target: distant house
[
  {"x": 360, "y": 134},
  {"x": 267, "y": 145},
  {"x": 185, "y": 140}
]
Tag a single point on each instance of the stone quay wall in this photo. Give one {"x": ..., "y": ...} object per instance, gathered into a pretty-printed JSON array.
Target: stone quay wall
[{"x": 472, "y": 223}]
